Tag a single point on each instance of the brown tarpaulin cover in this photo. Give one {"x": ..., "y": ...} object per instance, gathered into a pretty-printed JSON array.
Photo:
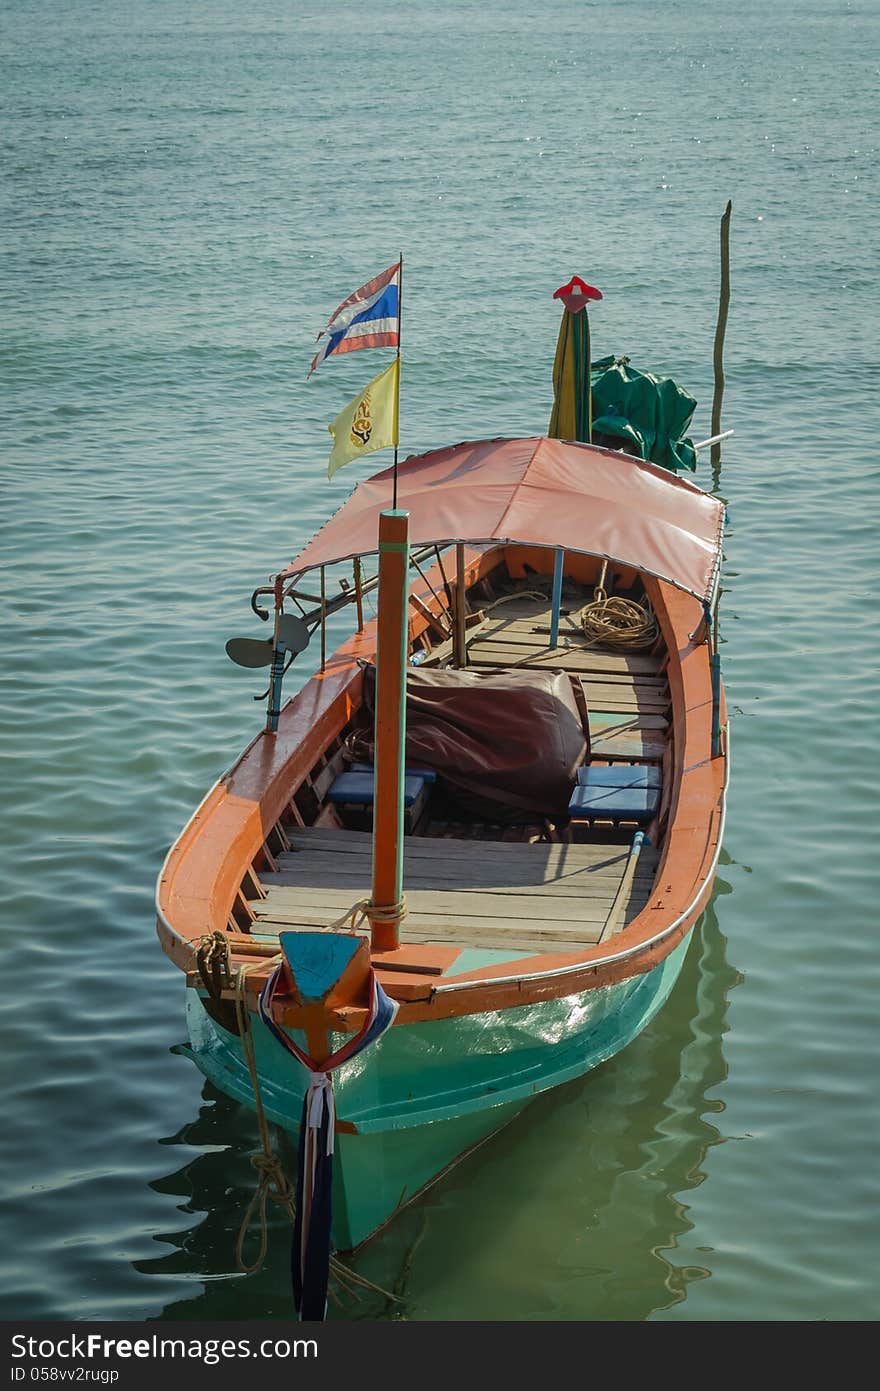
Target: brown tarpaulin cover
[{"x": 508, "y": 738}]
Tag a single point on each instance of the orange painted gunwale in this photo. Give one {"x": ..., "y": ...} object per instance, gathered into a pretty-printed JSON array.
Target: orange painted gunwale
[{"x": 204, "y": 868}]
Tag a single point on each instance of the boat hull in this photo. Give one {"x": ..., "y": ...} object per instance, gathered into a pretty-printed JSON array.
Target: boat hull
[{"x": 428, "y": 1093}]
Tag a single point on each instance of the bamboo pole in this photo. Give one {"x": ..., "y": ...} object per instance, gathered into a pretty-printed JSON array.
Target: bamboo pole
[
  {"x": 718, "y": 354},
  {"x": 390, "y": 700}
]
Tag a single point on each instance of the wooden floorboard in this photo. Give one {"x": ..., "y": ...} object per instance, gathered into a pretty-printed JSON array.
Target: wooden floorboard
[
  {"x": 289, "y": 899},
  {"x": 627, "y": 747},
  {"x": 521, "y": 897},
  {"x": 536, "y": 862},
  {"x": 536, "y": 935},
  {"x": 309, "y": 871},
  {"x": 608, "y": 723},
  {"x": 630, "y": 664},
  {"x": 469, "y": 937},
  {"x": 603, "y": 691}
]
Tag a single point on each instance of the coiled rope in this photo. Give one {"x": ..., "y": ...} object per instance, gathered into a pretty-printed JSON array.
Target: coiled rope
[
  {"x": 616, "y": 622},
  {"x": 619, "y": 623}
]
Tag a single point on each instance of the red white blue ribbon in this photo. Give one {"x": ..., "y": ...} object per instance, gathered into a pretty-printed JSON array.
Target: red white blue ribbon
[{"x": 310, "y": 1257}]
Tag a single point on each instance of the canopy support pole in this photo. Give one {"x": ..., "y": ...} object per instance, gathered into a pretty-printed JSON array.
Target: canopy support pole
[
  {"x": 358, "y": 592},
  {"x": 715, "y": 670},
  {"x": 556, "y": 600},
  {"x": 387, "y": 906},
  {"x": 323, "y": 617},
  {"x": 459, "y": 646}
]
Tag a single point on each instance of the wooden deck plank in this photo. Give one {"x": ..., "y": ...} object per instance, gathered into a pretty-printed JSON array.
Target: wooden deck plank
[
  {"x": 286, "y": 901},
  {"x": 535, "y": 936},
  {"x": 546, "y": 857},
  {"x": 430, "y": 923},
  {"x": 470, "y": 938},
  {"x": 315, "y": 872},
  {"x": 518, "y": 896},
  {"x": 608, "y": 723},
  {"x": 497, "y": 653},
  {"x": 527, "y": 863},
  {"x": 523, "y": 641},
  {"x": 566, "y": 659},
  {"x": 611, "y": 694},
  {"x": 626, "y": 747},
  {"x": 422, "y": 855},
  {"x": 522, "y": 638}
]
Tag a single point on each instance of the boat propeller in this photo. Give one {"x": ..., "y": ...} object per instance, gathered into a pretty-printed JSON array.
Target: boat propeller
[{"x": 293, "y": 638}]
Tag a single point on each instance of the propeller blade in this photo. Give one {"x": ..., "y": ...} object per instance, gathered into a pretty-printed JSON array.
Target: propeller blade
[
  {"x": 293, "y": 633},
  {"x": 250, "y": 652}
]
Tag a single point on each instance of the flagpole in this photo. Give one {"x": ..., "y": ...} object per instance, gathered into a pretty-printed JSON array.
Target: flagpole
[{"x": 399, "y": 333}]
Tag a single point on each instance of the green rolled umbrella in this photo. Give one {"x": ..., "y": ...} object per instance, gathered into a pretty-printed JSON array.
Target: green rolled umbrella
[{"x": 571, "y": 418}]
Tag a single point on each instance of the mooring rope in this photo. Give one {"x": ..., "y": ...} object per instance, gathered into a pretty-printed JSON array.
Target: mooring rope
[
  {"x": 517, "y": 594},
  {"x": 354, "y": 916},
  {"x": 267, "y": 1163}
]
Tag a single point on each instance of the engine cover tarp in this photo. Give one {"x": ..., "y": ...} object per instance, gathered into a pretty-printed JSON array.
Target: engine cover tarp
[{"x": 513, "y": 739}]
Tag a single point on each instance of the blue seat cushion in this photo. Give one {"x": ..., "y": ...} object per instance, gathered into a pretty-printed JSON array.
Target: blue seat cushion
[
  {"x": 356, "y": 786},
  {"x": 643, "y": 775},
  {"x": 427, "y": 773},
  {"x": 617, "y": 793}
]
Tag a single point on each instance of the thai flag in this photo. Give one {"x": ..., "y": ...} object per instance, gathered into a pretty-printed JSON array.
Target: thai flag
[{"x": 370, "y": 318}]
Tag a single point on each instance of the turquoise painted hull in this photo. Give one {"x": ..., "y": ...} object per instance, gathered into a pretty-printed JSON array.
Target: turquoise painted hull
[{"x": 425, "y": 1094}]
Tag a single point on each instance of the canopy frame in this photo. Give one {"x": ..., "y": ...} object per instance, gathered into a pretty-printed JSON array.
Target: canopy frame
[{"x": 700, "y": 541}]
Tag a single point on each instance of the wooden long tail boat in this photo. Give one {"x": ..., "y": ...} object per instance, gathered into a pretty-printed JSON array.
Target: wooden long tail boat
[{"x": 561, "y": 810}]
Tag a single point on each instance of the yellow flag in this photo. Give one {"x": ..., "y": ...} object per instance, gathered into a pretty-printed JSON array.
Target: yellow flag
[{"x": 369, "y": 422}]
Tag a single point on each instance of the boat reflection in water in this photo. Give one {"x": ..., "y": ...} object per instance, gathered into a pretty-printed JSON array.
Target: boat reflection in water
[{"x": 574, "y": 1212}]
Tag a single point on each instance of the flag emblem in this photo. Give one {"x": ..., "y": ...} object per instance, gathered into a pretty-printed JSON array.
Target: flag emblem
[{"x": 362, "y": 425}]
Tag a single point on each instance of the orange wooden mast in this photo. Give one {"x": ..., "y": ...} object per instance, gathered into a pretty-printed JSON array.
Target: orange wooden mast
[{"x": 387, "y": 906}]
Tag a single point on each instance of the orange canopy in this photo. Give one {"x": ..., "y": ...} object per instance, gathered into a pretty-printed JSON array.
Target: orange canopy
[{"x": 538, "y": 492}]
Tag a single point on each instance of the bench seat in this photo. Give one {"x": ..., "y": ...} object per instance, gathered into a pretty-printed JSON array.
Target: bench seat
[{"x": 618, "y": 793}]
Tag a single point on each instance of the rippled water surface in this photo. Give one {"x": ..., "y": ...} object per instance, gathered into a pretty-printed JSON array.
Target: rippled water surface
[{"x": 188, "y": 191}]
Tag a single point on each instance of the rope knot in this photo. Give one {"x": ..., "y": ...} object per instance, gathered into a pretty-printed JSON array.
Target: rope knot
[
  {"x": 268, "y": 1166},
  {"x": 393, "y": 914},
  {"x": 365, "y": 910}
]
